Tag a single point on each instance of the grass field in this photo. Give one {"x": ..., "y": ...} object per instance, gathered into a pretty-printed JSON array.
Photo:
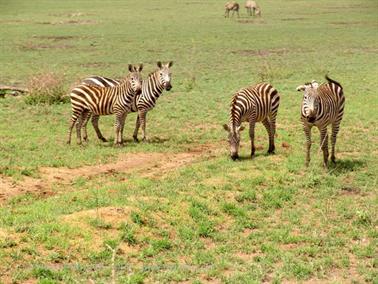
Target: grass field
[{"x": 177, "y": 208}]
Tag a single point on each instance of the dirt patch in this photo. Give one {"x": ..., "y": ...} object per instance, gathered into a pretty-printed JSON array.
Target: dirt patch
[
  {"x": 35, "y": 46},
  {"x": 56, "y": 38},
  {"x": 94, "y": 64},
  {"x": 293, "y": 19},
  {"x": 152, "y": 165},
  {"x": 261, "y": 52},
  {"x": 69, "y": 22},
  {"x": 251, "y": 21}
]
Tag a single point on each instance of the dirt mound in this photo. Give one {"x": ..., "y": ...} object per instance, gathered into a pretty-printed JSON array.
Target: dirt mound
[{"x": 153, "y": 165}]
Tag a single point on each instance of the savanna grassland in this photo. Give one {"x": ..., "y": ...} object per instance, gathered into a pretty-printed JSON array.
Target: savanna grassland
[{"x": 177, "y": 208}]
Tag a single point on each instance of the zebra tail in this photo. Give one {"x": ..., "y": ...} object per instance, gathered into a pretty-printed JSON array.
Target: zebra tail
[{"x": 333, "y": 81}]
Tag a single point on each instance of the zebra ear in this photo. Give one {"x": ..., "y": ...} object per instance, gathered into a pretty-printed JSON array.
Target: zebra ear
[
  {"x": 170, "y": 63},
  {"x": 131, "y": 67},
  {"x": 140, "y": 67},
  {"x": 159, "y": 64},
  {"x": 226, "y": 127},
  {"x": 301, "y": 88}
]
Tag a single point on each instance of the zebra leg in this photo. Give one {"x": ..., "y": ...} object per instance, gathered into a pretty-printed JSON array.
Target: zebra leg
[
  {"x": 79, "y": 124},
  {"x": 122, "y": 126},
  {"x": 87, "y": 116},
  {"x": 137, "y": 125},
  {"x": 72, "y": 124},
  {"x": 269, "y": 129},
  {"x": 94, "y": 121},
  {"x": 252, "y": 137},
  {"x": 324, "y": 145},
  {"x": 143, "y": 118},
  {"x": 335, "y": 130},
  {"x": 307, "y": 130},
  {"x": 117, "y": 125}
]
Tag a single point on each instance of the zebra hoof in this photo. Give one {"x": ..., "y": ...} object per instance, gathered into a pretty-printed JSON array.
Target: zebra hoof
[
  {"x": 333, "y": 160},
  {"x": 136, "y": 140},
  {"x": 103, "y": 139}
]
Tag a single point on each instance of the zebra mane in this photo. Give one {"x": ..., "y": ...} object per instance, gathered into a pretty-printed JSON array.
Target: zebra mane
[{"x": 233, "y": 109}]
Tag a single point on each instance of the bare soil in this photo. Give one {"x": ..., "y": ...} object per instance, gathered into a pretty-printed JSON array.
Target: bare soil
[{"x": 152, "y": 165}]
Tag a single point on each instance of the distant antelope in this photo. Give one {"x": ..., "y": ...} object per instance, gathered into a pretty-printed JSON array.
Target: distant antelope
[
  {"x": 231, "y": 6},
  {"x": 322, "y": 105},
  {"x": 252, "y": 8},
  {"x": 253, "y": 104},
  {"x": 87, "y": 100}
]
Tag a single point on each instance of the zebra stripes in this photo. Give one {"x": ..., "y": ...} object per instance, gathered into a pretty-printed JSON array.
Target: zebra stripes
[
  {"x": 152, "y": 88},
  {"x": 258, "y": 103},
  {"x": 321, "y": 106},
  {"x": 90, "y": 99}
]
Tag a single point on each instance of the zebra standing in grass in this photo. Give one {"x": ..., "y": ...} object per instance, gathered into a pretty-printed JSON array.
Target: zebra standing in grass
[
  {"x": 90, "y": 99},
  {"x": 231, "y": 6},
  {"x": 252, "y": 8},
  {"x": 253, "y": 104},
  {"x": 321, "y": 106},
  {"x": 152, "y": 88}
]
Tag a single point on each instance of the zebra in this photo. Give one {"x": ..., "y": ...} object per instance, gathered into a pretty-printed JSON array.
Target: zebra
[
  {"x": 89, "y": 99},
  {"x": 231, "y": 6},
  {"x": 252, "y": 8},
  {"x": 152, "y": 88},
  {"x": 322, "y": 105},
  {"x": 258, "y": 103}
]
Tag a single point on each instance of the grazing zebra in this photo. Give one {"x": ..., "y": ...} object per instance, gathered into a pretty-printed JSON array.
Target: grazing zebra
[
  {"x": 322, "y": 105},
  {"x": 253, "y": 104},
  {"x": 90, "y": 99},
  {"x": 252, "y": 8},
  {"x": 152, "y": 88},
  {"x": 231, "y": 6}
]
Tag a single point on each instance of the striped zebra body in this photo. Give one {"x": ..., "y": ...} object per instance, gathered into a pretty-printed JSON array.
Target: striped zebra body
[
  {"x": 322, "y": 105},
  {"x": 258, "y": 103},
  {"x": 152, "y": 88},
  {"x": 91, "y": 99}
]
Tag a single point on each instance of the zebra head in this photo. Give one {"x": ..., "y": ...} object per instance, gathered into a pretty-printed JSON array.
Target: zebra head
[
  {"x": 136, "y": 78},
  {"x": 233, "y": 139},
  {"x": 310, "y": 102},
  {"x": 164, "y": 74}
]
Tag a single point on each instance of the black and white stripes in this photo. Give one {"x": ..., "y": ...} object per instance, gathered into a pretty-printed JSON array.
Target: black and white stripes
[
  {"x": 321, "y": 106},
  {"x": 152, "y": 88},
  {"x": 91, "y": 99},
  {"x": 258, "y": 103}
]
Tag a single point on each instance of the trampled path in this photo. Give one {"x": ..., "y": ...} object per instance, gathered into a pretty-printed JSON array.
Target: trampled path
[{"x": 147, "y": 164}]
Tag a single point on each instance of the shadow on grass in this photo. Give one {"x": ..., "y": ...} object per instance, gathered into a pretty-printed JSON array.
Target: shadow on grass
[{"x": 345, "y": 165}]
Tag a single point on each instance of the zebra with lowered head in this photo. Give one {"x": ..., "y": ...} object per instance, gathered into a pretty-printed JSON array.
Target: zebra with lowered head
[
  {"x": 322, "y": 105},
  {"x": 152, "y": 89},
  {"x": 96, "y": 100},
  {"x": 258, "y": 103}
]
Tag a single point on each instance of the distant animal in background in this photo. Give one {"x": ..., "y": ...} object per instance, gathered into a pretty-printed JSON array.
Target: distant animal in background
[
  {"x": 87, "y": 100},
  {"x": 258, "y": 103},
  {"x": 252, "y": 8},
  {"x": 231, "y": 6},
  {"x": 322, "y": 105},
  {"x": 152, "y": 88}
]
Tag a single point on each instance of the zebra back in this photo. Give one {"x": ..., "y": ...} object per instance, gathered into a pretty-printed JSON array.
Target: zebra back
[
  {"x": 255, "y": 102},
  {"x": 105, "y": 100}
]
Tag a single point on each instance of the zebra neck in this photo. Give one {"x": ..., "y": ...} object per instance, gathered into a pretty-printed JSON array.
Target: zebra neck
[{"x": 154, "y": 87}]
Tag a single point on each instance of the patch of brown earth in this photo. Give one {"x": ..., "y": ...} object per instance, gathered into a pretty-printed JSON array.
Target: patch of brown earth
[
  {"x": 56, "y": 38},
  {"x": 261, "y": 52},
  {"x": 69, "y": 22},
  {"x": 34, "y": 46},
  {"x": 153, "y": 165},
  {"x": 293, "y": 19}
]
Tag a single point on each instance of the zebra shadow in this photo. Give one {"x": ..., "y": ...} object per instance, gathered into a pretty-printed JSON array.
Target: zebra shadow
[{"x": 345, "y": 165}]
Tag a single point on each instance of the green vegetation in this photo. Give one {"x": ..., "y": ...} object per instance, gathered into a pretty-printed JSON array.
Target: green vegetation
[{"x": 187, "y": 212}]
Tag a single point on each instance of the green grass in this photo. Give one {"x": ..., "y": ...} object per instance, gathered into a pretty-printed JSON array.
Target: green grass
[{"x": 267, "y": 219}]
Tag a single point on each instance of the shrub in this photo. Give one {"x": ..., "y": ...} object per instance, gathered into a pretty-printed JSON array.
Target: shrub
[{"x": 46, "y": 88}]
